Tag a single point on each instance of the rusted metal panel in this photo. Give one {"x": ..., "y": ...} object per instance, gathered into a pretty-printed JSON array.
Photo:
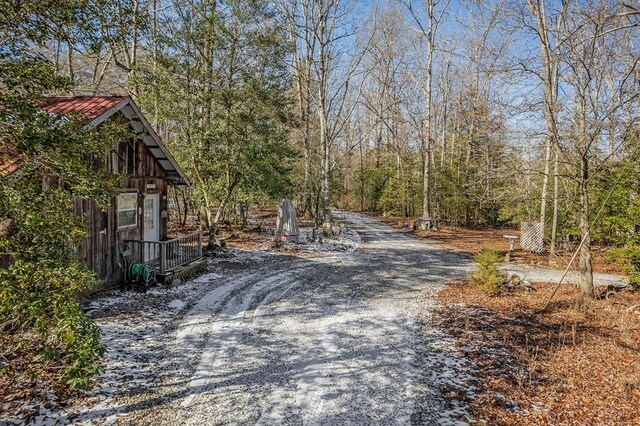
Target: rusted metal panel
[{"x": 90, "y": 107}]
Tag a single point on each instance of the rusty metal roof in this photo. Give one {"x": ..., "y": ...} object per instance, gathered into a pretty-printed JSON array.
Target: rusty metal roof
[
  {"x": 91, "y": 107},
  {"x": 9, "y": 163},
  {"x": 97, "y": 109}
]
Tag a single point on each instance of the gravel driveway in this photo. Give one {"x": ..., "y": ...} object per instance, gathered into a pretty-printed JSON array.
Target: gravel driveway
[
  {"x": 272, "y": 338},
  {"x": 542, "y": 274}
]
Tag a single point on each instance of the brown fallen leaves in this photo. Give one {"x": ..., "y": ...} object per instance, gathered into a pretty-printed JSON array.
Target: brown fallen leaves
[
  {"x": 27, "y": 382},
  {"x": 471, "y": 241},
  {"x": 474, "y": 240},
  {"x": 247, "y": 238},
  {"x": 576, "y": 363}
]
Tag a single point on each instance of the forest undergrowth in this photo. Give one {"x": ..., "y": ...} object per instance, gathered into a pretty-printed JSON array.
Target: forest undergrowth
[{"x": 574, "y": 363}]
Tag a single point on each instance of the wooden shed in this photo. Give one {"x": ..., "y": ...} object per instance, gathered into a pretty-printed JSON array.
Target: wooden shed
[{"x": 138, "y": 215}]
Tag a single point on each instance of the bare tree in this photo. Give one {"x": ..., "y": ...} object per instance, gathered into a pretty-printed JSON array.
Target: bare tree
[
  {"x": 123, "y": 24},
  {"x": 326, "y": 33},
  {"x": 429, "y": 31},
  {"x": 549, "y": 52},
  {"x": 297, "y": 15},
  {"x": 585, "y": 54}
]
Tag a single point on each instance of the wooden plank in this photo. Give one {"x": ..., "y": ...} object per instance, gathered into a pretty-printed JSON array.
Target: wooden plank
[{"x": 100, "y": 249}]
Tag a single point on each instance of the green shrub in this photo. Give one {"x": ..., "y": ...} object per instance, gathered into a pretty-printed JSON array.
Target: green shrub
[
  {"x": 487, "y": 276},
  {"x": 40, "y": 278},
  {"x": 629, "y": 258},
  {"x": 39, "y": 288}
]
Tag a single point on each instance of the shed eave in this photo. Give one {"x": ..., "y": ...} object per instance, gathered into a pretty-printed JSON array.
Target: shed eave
[{"x": 167, "y": 161}]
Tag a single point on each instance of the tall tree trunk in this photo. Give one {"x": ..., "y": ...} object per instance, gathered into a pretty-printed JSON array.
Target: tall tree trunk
[
  {"x": 443, "y": 152},
  {"x": 586, "y": 271},
  {"x": 308, "y": 184},
  {"x": 545, "y": 184},
  {"x": 58, "y": 44},
  {"x": 133, "y": 51},
  {"x": 185, "y": 204},
  {"x": 154, "y": 36},
  {"x": 324, "y": 176},
  {"x": 361, "y": 149},
  {"x": 72, "y": 74},
  {"x": 302, "y": 55},
  {"x": 225, "y": 201},
  {"x": 323, "y": 36},
  {"x": 205, "y": 194},
  {"x": 549, "y": 77},
  {"x": 426, "y": 189},
  {"x": 177, "y": 202},
  {"x": 554, "y": 221}
]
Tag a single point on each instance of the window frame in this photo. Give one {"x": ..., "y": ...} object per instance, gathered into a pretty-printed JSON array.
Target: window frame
[
  {"x": 136, "y": 211},
  {"x": 154, "y": 210}
]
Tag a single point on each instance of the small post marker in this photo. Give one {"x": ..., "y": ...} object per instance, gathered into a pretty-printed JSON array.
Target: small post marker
[{"x": 512, "y": 241}]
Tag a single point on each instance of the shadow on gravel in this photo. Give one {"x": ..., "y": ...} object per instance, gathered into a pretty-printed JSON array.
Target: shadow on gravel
[{"x": 394, "y": 268}]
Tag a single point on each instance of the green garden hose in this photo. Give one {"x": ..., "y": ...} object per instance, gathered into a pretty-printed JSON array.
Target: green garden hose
[{"x": 141, "y": 272}]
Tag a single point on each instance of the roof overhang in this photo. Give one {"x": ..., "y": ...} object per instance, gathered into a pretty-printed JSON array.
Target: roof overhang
[{"x": 150, "y": 138}]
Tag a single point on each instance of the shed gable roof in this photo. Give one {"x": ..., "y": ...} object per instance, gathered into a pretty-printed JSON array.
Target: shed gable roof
[
  {"x": 97, "y": 109},
  {"x": 91, "y": 107}
]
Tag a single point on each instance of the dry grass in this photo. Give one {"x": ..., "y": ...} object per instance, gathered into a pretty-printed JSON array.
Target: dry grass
[{"x": 576, "y": 363}]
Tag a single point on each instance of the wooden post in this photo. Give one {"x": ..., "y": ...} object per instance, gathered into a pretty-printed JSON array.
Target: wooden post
[{"x": 163, "y": 258}]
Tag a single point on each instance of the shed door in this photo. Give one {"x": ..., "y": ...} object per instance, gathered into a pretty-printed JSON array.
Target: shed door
[{"x": 151, "y": 225}]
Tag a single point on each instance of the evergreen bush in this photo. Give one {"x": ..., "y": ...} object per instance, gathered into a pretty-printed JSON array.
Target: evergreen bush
[{"x": 487, "y": 276}]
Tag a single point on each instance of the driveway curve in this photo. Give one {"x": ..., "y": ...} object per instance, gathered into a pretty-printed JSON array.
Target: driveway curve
[{"x": 279, "y": 339}]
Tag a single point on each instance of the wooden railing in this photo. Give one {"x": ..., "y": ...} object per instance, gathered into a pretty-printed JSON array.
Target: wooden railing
[{"x": 169, "y": 255}]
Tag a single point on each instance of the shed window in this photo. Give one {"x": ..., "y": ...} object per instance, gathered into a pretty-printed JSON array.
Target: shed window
[{"x": 127, "y": 210}]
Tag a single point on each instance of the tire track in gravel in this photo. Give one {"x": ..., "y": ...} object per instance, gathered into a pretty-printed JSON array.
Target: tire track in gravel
[
  {"x": 226, "y": 328},
  {"x": 326, "y": 384},
  {"x": 324, "y": 340},
  {"x": 341, "y": 384},
  {"x": 192, "y": 333},
  {"x": 233, "y": 316}
]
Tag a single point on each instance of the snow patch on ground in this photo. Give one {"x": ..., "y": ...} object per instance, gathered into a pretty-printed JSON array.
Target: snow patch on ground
[
  {"x": 134, "y": 328},
  {"x": 343, "y": 240},
  {"x": 207, "y": 278},
  {"x": 176, "y": 304},
  {"x": 452, "y": 375},
  {"x": 225, "y": 331},
  {"x": 346, "y": 240},
  {"x": 542, "y": 274},
  {"x": 272, "y": 337},
  {"x": 238, "y": 257}
]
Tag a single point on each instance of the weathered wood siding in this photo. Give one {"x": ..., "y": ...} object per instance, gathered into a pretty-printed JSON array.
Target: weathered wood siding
[{"x": 101, "y": 248}]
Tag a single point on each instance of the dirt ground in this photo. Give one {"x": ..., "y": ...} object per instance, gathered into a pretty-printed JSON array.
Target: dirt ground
[
  {"x": 574, "y": 364},
  {"x": 473, "y": 240},
  {"x": 257, "y": 231}
]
